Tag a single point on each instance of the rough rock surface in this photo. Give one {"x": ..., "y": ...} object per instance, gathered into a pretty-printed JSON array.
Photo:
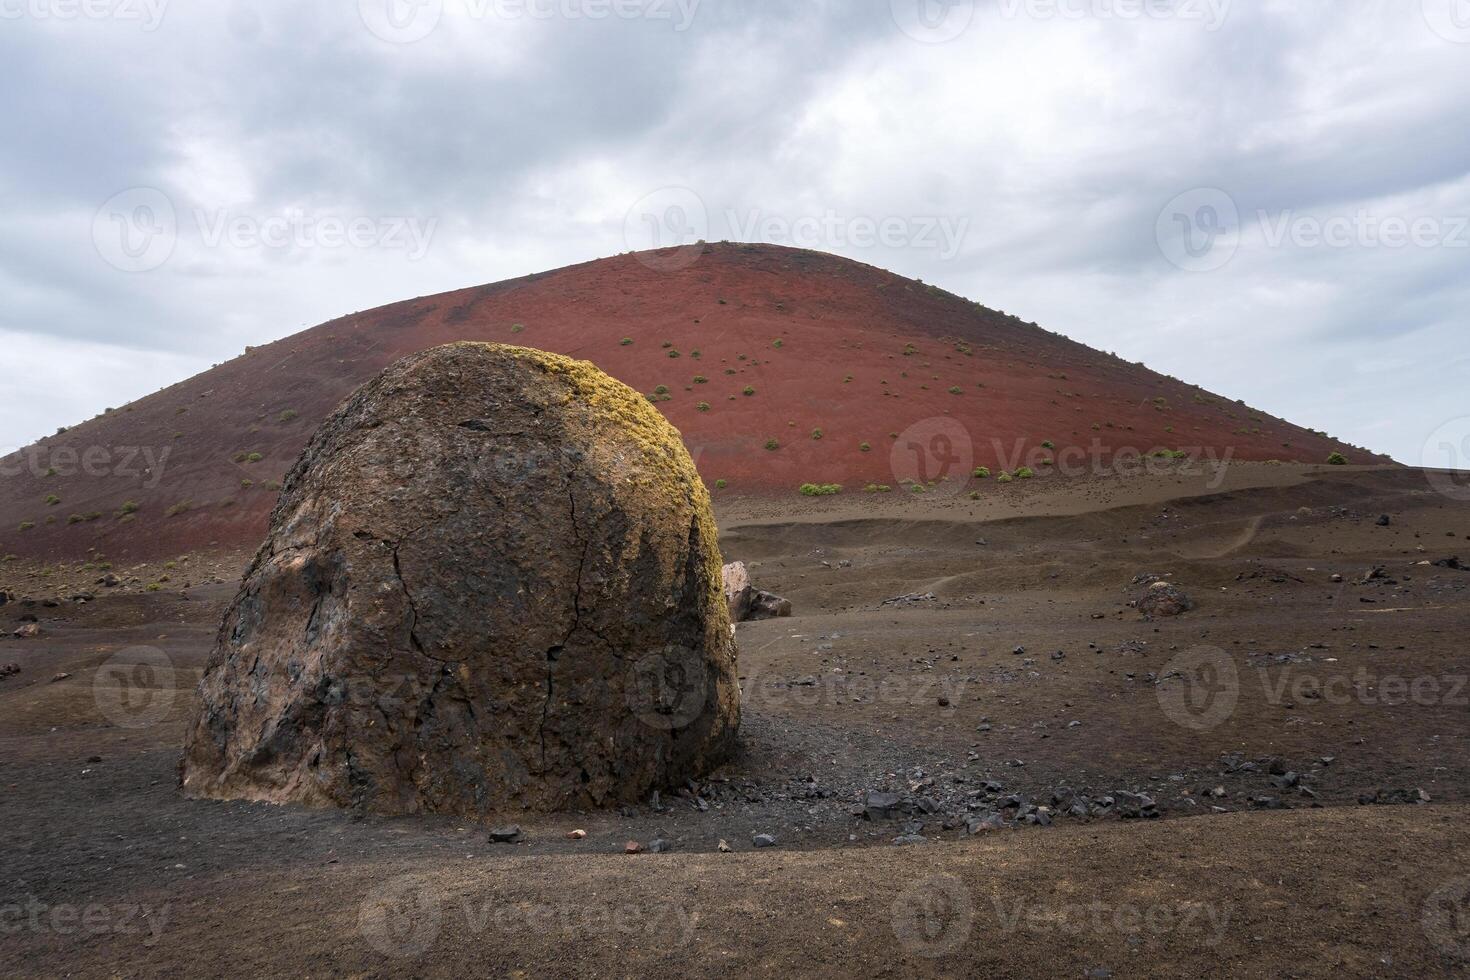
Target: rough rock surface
[
  {"x": 1164, "y": 599},
  {"x": 492, "y": 582},
  {"x": 744, "y": 601}
]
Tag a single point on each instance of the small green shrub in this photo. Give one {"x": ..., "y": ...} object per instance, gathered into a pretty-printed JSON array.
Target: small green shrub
[
  {"x": 777, "y": 343},
  {"x": 178, "y": 508},
  {"x": 820, "y": 489},
  {"x": 863, "y": 447},
  {"x": 27, "y": 525},
  {"x": 1048, "y": 444},
  {"x": 1004, "y": 477},
  {"x": 673, "y": 353},
  {"x": 816, "y": 433},
  {"x": 626, "y": 341},
  {"x": 1337, "y": 459},
  {"x": 700, "y": 379},
  {"x": 772, "y": 445},
  {"x": 128, "y": 507},
  {"x": 747, "y": 391},
  {"x": 955, "y": 390},
  {"x": 981, "y": 473},
  {"x": 720, "y": 484},
  {"x": 517, "y": 327},
  {"x": 702, "y": 407},
  {"x": 1025, "y": 473},
  {"x": 287, "y": 415},
  {"x": 52, "y": 500}
]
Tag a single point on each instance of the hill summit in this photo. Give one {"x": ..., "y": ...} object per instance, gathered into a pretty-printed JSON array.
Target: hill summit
[{"x": 780, "y": 367}]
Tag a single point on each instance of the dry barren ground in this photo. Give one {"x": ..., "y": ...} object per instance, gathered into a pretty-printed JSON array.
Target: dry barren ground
[{"x": 1275, "y": 783}]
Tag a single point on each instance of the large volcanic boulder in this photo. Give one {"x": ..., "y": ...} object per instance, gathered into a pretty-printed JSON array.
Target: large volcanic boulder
[{"x": 492, "y": 582}]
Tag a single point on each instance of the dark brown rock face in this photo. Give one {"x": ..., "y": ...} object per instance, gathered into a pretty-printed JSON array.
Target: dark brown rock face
[{"x": 492, "y": 582}]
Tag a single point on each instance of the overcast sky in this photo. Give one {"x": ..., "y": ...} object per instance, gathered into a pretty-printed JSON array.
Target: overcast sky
[{"x": 1267, "y": 198}]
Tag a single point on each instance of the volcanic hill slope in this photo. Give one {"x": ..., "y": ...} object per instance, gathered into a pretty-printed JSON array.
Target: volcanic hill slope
[{"x": 779, "y": 367}]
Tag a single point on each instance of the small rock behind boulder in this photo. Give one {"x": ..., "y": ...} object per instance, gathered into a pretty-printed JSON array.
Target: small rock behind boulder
[{"x": 745, "y": 601}]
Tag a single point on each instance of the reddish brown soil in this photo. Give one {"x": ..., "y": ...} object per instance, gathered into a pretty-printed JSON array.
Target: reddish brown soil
[{"x": 1018, "y": 386}]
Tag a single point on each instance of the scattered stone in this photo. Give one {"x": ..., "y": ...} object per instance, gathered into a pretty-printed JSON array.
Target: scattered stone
[
  {"x": 763, "y": 840},
  {"x": 985, "y": 823},
  {"x": 659, "y": 846},
  {"x": 510, "y": 834},
  {"x": 28, "y": 632},
  {"x": 724, "y": 847},
  {"x": 1394, "y": 797},
  {"x": 880, "y": 806},
  {"x": 576, "y": 835},
  {"x": 60, "y": 677},
  {"x": 9, "y": 670},
  {"x": 1384, "y": 520},
  {"x": 525, "y": 603},
  {"x": 1134, "y": 806},
  {"x": 1164, "y": 599},
  {"x": 633, "y": 847},
  {"x": 910, "y": 599}
]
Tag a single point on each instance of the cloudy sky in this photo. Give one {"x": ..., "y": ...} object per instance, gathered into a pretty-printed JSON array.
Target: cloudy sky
[{"x": 1269, "y": 198}]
